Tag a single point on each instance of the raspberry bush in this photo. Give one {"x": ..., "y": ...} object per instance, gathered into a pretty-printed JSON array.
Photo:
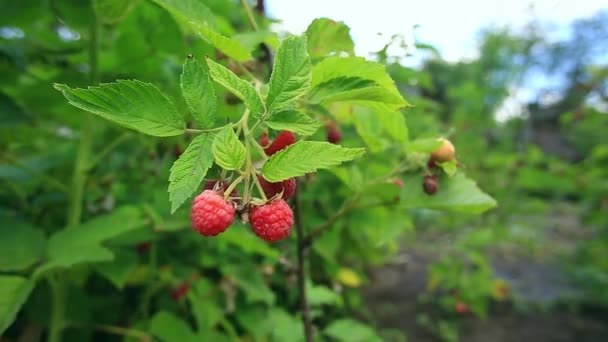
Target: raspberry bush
[{"x": 279, "y": 134}]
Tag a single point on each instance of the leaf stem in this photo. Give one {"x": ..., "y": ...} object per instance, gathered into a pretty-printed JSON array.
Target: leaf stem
[
  {"x": 306, "y": 319},
  {"x": 250, "y": 15},
  {"x": 114, "y": 330},
  {"x": 115, "y": 143}
]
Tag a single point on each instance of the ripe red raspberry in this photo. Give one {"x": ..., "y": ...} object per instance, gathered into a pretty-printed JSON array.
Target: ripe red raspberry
[
  {"x": 430, "y": 184},
  {"x": 211, "y": 214},
  {"x": 333, "y": 133},
  {"x": 180, "y": 291},
  {"x": 284, "y": 139},
  {"x": 264, "y": 140},
  {"x": 271, "y": 221},
  {"x": 288, "y": 187}
]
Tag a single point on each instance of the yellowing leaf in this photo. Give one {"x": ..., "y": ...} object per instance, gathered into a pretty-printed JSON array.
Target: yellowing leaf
[{"x": 348, "y": 277}]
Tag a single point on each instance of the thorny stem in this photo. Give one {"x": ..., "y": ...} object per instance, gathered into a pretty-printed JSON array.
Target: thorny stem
[{"x": 308, "y": 333}]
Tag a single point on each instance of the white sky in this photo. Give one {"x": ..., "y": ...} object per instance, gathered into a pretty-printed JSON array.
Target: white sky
[{"x": 451, "y": 26}]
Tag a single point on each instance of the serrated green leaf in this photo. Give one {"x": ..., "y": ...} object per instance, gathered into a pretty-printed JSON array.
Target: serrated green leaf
[
  {"x": 228, "y": 150},
  {"x": 243, "y": 238},
  {"x": 14, "y": 291},
  {"x": 370, "y": 129},
  {"x": 338, "y": 67},
  {"x": 321, "y": 295},
  {"x": 120, "y": 269},
  {"x": 458, "y": 194},
  {"x": 190, "y": 169},
  {"x": 130, "y": 103},
  {"x": 293, "y": 121},
  {"x": 291, "y": 74},
  {"x": 424, "y": 145},
  {"x": 349, "y": 330},
  {"x": 22, "y": 245},
  {"x": 239, "y": 87},
  {"x": 337, "y": 86},
  {"x": 251, "y": 40},
  {"x": 83, "y": 244},
  {"x": 304, "y": 157},
  {"x": 198, "y": 92},
  {"x": 449, "y": 167},
  {"x": 230, "y": 47},
  {"x": 394, "y": 125},
  {"x": 170, "y": 328},
  {"x": 326, "y": 36},
  {"x": 112, "y": 11},
  {"x": 186, "y": 11},
  {"x": 377, "y": 98},
  {"x": 251, "y": 282}
]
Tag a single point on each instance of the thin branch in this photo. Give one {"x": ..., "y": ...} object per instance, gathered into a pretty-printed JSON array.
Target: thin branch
[
  {"x": 250, "y": 16},
  {"x": 114, "y": 330},
  {"x": 301, "y": 268}
]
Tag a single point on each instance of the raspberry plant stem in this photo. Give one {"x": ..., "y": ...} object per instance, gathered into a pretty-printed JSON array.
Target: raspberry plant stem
[
  {"x": 74, "y": 213},
  {"x": 308, "y": 333}
]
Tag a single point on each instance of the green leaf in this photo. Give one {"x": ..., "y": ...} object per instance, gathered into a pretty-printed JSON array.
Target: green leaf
[
  {"x": 239, "y": 87},
  {"x": 349, "y": 330},
  {"x": 370, "y": 129},
  {"x": 228, "y": 150},
  {"x": 251, "y": 282},
  {"x": 449, "y": 167},
  {"x": 83, "y": 244},
  {"x": 198, "y": 92},
  {"x": 425, "y": 145},
  {"x": 304, "y": 157},
  {"x": 340, "y": 67},
  {"x": 204, "y": 305},
  {"x": 187, "y": 11},
  {"x": 291, "y": 74},
  {"x": 22, "y": 245},
  {"x": 130, "y": 103},
  {"x": 120, "y": 269},
  {"x": 170, "y": 328},
  {"x": 13, "y": 294},
  {"x": 251, "y": 40},
  {"x": 243, "y": 238},
  {"x": 190, "y": 169},
  {"x": 112, "y": 11},
  {"x": 285, "y": 327},
  {"x": 458, "y": 194},
  {"x": 230, "y": 47},
  {"x": 294, "y": 121},
  {"x": 336, "y": 86},
  {"x": 321, "y": 295},
  {"x": 394, "y": 125},
  {"x": 326, "y": 36}
]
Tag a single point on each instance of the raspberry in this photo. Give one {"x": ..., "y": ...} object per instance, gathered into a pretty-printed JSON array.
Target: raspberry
[
  {"x": 284, "y": 139},
  {"x": 430, "y": 184},
  {"x": 271, "y": 221},
  {"x": 398, "y": 182},
  {"x": 288, "y": 187},
  {"x": 264, "y": 140},
  {"x": 333, "y": 133},
  {"x": 211, "y": 214},
  {"x": 180, "y": 291},
  {"x": 445, "y": 152}
]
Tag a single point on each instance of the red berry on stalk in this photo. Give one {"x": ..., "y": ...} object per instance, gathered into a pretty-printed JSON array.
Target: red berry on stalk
[
  {"x": 180, "y": 291},
  {"x": 430, "y": 184},
  {"x": 333, "y": 133},
  {"x": 272, "y": 221},
  {"x": 143, "y": 247},
  {"x": 211, "y": 214},
  {"x": 461, "y": 308},
  {"x": 288, "y": 187},
  {"x": 284, "y": 139},
  {"x": 264, "y": 140}
]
